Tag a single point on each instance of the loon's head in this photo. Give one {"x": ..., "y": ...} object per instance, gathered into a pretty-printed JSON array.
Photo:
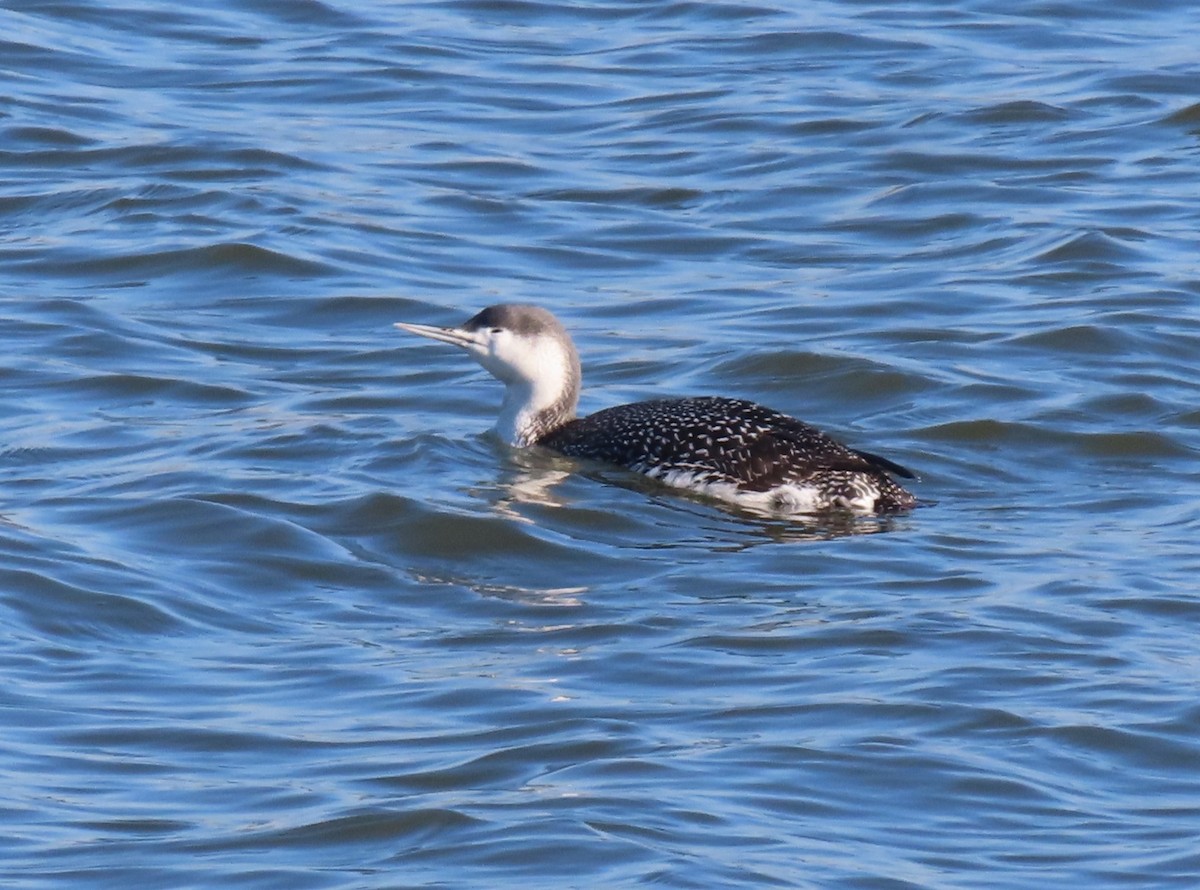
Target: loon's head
[{"x": 527, "y": 349}]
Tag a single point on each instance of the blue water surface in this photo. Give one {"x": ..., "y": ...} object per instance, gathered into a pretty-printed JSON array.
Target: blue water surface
[{"x": 278, "y": 611}]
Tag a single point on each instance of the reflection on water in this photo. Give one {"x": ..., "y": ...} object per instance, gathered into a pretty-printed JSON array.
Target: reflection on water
[
  {"x": 535, "y": 480},
  {"x": 554, "y": 596}
]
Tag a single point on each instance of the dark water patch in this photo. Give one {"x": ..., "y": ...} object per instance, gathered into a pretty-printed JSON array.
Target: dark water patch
[
  {"x": 511, "y": 763},
  {"x": 992, "y": 433},
  {"x": 495, "y": 544},
  {"x": 622, "y": 197},
  {"x": 512, "y": 12},
  {"x": 47, "y": 136},
  {"x": 122, "y": 387},
  {"x": 356, "y": 830},
  {"x": 173, "y": 741},
  {"x": 667, "y": 242},
  {"x": 1090, "y": 248},
  {"x": 61, "y": 610},
  {"x": 807, "y": 376},
  {"x": 351, "y": 312},
  {"x": 172, "y": 160},
  {"x": 1187, "y": 118},
  {"x": 37, "y": 205},
  {"x": 214, "y": 260},
  {"x": 1138, "y": 445},
  {"x": 490, "y": 170},
  {"x": 905, "y": 229},
  {"x": 613, "y": 257},
  {"x": 305, "y": 12},
  {"x": 1018, "y": 112},
  {"x": 1083, "y": 339},
  {"x": 965, "y": 164},
  {"x": 1133, "y": 748},
  {"x": 819, "y": 42},
  {"x": 1163, "y": 83},
  {"x": 1138, "y": 405},
  {"x": 158, "y": 200},
  {"x": 719, "y": 13},
  {"x": 137, "y": 827}
]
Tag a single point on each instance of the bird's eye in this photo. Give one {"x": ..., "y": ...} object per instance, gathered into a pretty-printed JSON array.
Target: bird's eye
[{"x": 497, "y": 330}]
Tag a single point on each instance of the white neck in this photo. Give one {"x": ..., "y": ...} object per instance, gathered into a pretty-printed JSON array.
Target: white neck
[
  {"x": 539, "y": 396},
  {"x": 531, "y": 409}
]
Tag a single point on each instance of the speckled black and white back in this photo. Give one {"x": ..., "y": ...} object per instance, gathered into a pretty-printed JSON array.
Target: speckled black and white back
[{"x": 736, "y": 450}]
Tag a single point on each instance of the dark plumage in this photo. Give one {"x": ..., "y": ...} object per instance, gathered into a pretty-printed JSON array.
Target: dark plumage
[{"x": 719, "y": 441}]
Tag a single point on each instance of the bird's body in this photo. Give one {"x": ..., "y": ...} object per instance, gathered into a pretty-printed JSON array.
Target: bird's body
[
  {"x": 735, "y": 450},
  {"x": 732, "y": 449}
]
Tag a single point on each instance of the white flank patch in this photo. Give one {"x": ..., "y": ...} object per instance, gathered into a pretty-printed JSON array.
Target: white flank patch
[{"x": 781, "y": 500}]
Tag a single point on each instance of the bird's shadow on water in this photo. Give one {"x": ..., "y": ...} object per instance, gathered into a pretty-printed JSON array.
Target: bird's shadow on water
[{"x": 534, "y": 480}]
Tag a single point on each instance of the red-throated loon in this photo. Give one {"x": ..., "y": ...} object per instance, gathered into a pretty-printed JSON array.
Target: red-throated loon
[{"x": 729, "y": 448}]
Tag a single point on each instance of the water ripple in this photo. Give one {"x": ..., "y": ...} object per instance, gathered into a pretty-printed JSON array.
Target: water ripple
[{"x": 280, "y": 612}]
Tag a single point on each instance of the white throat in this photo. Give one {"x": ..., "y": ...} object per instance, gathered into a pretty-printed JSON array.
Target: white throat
[{"x": 539, "y": 395}]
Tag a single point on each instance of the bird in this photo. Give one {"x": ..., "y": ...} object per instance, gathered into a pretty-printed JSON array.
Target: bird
[{"x": 732, "y": 449}]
